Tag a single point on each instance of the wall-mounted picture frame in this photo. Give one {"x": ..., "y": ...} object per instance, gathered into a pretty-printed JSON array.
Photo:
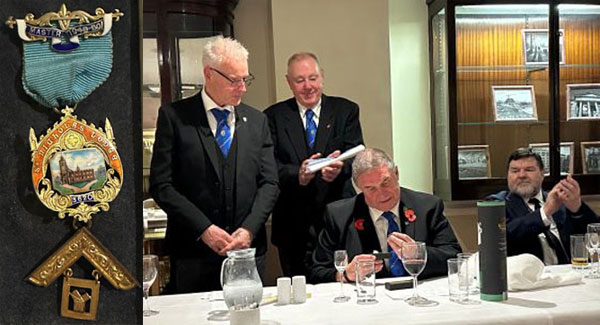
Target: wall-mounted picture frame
[
  {"x": 514, "y": 103},
  {"x": 474, "y": 162},
  {"x": 590, "y": 157},
  {"x": 566, "y": 156},
  {"x": 583, "y": 102},
  {"x": 535, "y": 46}
]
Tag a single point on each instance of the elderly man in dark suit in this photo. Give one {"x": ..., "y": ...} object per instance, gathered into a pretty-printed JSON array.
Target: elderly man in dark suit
[
  {"x": 213, "y": 172},
  {"x": 308, "y": 126},
  {"x": 538, "y": 222},
  {"x": 382, "y": 218}
]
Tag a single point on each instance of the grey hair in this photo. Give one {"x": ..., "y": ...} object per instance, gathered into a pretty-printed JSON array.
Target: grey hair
[
  {"x": 301, "y": 56},
  {"x": 368, "y": 159},
  {"x": 223, "y": 48}
]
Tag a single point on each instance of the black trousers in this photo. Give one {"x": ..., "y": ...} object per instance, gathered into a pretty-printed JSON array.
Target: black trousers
[{"x": 201, "y": 274}]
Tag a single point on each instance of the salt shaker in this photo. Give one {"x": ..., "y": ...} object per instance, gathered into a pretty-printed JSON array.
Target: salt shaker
[
  {"x": 299, "y": 288},
  {"x": 284, "y": 290}
]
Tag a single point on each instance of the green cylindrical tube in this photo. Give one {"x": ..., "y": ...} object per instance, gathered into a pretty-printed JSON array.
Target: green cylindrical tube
[{"x": 491, "y": 228}]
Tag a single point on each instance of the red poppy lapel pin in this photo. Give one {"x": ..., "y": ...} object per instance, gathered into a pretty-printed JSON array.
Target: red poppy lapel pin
[
  {"x": 409, "y": 214},
  {"x": 359, "y": 224}
]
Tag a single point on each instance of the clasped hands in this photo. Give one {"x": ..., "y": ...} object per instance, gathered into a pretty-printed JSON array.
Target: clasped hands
[
  {"x": 221, "y": 242},
  {"x": 396, "y": 240},
  {"x": 328, "y": 173},
  {"x": 566, "y": 192}
]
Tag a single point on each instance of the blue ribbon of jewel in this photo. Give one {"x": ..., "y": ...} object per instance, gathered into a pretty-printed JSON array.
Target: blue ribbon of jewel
[{"x": 56, "y": 78}]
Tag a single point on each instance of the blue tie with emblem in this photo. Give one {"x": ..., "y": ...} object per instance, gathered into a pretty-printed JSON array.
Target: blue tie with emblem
[
  {"x": 311, "y": 127},
  {"x": 223, "y": 134},
  {"x": 396, "y": 267}
]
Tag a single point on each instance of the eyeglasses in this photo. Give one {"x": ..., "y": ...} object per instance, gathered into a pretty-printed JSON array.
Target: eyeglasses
[{"x": 236, "y": 82}]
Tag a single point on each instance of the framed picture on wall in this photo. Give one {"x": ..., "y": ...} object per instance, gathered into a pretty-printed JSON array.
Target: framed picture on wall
[
  {"x": 590, "y": 157},
  {"x": 583, "y": 101},
  {"x": 474, "y": 162},
  {"x": 566, "y": 156},
  {"x": 535, "y": 46},
  {"x": 514, "y": 103}
]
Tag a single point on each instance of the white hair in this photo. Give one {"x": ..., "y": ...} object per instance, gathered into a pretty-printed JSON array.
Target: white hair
[
  {"x": 221, "y": 49},
  {"x": 368, "y": 159}
]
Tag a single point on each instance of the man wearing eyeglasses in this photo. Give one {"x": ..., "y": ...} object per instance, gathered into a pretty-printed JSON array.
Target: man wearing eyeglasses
[
  {"x": 539, "y": 222},
  {"x": 213, "y": 172},
  {"x": 308, "y": 126}
]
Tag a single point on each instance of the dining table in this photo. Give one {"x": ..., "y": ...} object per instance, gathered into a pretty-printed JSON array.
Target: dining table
[{"x": 571, "y": 304}]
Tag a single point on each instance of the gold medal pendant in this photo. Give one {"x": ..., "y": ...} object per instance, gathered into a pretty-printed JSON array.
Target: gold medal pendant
[{"x": 77, "y": 172}]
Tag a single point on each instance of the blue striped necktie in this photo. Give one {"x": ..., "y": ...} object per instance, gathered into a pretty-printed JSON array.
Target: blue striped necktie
[
  {"x": 311, "y": 128},
  {"x": 223, "y": 134},
  {"x": 396, "y": 267}
]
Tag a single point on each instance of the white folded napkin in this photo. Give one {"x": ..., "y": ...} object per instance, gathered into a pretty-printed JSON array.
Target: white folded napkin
[{"x": 526, "y": 272}]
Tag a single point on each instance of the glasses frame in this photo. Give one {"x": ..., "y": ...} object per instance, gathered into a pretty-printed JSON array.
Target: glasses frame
[{"x": 247, "y": 81}]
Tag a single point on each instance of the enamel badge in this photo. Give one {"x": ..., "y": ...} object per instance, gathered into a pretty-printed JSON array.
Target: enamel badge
[{"x": 76, "y": 168}]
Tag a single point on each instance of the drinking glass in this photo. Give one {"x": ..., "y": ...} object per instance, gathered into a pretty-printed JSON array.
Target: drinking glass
[
  {"x": 457, "y": 280},
  {"x": 414, "y": 258},
  {"x": 473, "y": 265},
  {"x": 340, "y": 260},
  {"x": 579, "y": 253},
  {"x": 150, "y": 274},
  {"x": 466, "y": 271},
  {"x": 365, "y": 282}
]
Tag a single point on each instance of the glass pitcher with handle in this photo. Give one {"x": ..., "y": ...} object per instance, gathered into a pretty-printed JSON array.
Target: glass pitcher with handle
[{"x": 242, "y": 287}]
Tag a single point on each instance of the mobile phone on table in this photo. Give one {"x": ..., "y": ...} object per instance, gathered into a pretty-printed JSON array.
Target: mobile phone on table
[{"x": 382, "y": 255}]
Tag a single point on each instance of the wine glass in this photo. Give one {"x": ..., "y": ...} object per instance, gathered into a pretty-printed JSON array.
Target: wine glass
[
  {"x": 591, "y": 243},
  {"x": 594, "y": 228},
  {"x": 414, "y": 258},
  {"x": 150, "y": 274},
  {"x": 340, "y": 260}
]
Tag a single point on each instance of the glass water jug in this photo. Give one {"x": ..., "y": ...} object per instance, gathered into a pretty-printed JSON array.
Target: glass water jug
[{"x": 242, "y": 287}]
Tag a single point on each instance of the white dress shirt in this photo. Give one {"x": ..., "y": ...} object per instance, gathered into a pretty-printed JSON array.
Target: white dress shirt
[
  {"x": 381, "y": 226},
  {"x": 316, "y": 110},
  {"x": 212, "y": 121},
  {"x": 550, "y": 257}
]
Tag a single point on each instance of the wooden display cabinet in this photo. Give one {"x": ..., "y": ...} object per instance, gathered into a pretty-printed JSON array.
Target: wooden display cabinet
[{"x": 505, "y": 76}]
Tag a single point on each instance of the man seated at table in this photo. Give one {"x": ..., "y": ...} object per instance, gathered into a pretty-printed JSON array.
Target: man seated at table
[
  {"x": 539, "y": 222},
  {"x": 382, "y": 218}
]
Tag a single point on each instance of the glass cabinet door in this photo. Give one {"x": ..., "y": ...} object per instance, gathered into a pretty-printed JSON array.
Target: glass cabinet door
[
  {"x": 580, "y": 89},
  {"x": 501, "y": 85}
]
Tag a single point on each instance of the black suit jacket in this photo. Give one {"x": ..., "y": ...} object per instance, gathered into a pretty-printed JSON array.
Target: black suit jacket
[
  {"x": 523, "y": 226},
  {"x": 185, "y": 176},
  {"x": 301, "y": 207},
  {"x": 348, "y": 225}
]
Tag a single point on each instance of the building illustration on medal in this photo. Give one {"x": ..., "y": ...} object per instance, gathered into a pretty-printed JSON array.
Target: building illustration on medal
[{"x": 77, "y": 171}]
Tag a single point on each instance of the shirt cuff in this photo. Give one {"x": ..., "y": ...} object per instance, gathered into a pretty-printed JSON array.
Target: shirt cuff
[{"x": 545, "y": 218}]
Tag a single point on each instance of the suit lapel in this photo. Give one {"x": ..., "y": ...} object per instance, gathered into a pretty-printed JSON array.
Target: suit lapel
[
  {"x": 517, "y": 203},
  {"x": 206, "y": 136},
  {"x": 406, "y": 226},
  {"x": 295, "y": 130},
  {"x": 362, "y": 222},
  {"x": 325, "y": 125},
  {"x": 241, "y": 136}
]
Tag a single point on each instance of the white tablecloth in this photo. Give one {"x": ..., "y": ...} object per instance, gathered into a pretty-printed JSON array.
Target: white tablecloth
[{"x": 575, "y": 304}]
